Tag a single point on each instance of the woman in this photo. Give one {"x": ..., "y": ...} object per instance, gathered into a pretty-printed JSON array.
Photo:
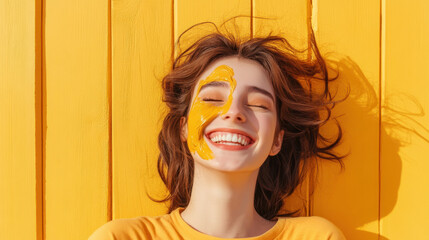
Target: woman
[{"x": 241, "y": 132}]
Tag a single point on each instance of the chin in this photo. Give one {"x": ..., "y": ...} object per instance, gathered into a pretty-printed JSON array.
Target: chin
[{"x": 229, "y": 164}]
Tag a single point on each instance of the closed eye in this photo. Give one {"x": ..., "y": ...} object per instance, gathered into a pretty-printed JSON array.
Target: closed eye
[
  {"x": 212, "y": 100},
  {"x": 258, "y": 106}
]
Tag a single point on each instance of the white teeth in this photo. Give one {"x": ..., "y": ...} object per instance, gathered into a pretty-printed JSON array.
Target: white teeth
[{"x": 230, "y": 139}]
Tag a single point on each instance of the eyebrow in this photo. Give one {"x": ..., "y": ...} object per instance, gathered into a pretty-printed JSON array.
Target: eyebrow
[
  {"x": 226, "y": 85},
  {"x": 215, "y": 84},
  {"x": 262, "y": 91}
]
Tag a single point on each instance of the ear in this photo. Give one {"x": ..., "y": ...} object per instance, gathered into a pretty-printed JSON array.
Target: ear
[
  {"x": 183, "y": 129},
  {"x": 277, "y": 144}
]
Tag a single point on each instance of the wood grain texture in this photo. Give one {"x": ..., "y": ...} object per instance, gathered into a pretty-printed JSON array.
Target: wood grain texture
[
  {"x": 56, "y": 88},
  {"x": 287, "y": 19},
  {"x": 405, "y": 137},
  {"x": 348, "y": 33},
  {"x": 76, "y": 113},
  {"x": 19, "y": 72},
  {"x": 142, "y": 43},
  {"x": 189, "y": 12}
]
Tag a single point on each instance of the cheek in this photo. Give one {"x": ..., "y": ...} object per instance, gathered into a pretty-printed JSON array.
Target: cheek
[
  {"x": 200, "y": 115},
  {"x": 268, "y": 127}
]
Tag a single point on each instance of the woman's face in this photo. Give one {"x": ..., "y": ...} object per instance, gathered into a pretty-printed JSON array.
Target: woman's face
[{"x": 232, "y": 118}]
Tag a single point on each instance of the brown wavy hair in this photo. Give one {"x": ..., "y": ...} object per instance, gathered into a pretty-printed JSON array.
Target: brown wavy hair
[{"x": 299, "y": 108}]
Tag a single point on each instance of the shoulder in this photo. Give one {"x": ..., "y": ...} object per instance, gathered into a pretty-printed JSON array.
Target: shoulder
[
  {"x": 130, "y": 228},
  {"x": 112, "y": 230},
  {"x": 314, "y": 227}
]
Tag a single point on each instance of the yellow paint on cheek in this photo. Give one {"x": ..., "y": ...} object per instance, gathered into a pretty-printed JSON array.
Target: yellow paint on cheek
[{"x": 202, "y": 113}]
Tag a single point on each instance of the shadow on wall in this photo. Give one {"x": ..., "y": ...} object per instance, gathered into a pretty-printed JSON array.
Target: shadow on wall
[
  {"x": 362, "y": 124},
  {"x": 354, "y": 195}
]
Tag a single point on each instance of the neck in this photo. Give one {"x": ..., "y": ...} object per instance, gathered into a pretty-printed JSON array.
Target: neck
[{"x": 222, "y": 204}]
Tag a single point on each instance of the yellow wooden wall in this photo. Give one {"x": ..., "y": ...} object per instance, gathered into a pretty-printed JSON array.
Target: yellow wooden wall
[{"x": 80, "y": 109}]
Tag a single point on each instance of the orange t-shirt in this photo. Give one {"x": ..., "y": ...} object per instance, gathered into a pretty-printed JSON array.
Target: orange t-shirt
[{"x": 172, "y": 226}]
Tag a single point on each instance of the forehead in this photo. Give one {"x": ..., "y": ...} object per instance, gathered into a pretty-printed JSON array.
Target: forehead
[{"x": 247, "y": 72}]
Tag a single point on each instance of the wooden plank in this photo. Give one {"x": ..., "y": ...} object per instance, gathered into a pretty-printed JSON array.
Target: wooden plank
[
  {"x": 189, "y": 12},
  {"x": 350, "y": 199},
  {"x": 287, "y": 19},
  {"x": 142, "y": 41},
  {"x": 405, "y": 131},
  {"x": 76, "y": 113},
  {"x": 20, "y": 208}
]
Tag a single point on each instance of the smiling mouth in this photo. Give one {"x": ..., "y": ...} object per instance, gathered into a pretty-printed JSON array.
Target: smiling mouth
[{"x": 230, "y": 140}]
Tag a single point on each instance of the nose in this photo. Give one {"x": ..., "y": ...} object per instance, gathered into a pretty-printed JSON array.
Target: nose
[{"x": 235, "y": 113}]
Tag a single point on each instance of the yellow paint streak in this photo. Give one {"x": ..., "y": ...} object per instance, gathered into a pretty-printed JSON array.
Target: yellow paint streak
[{"x": 202, "y": 113}]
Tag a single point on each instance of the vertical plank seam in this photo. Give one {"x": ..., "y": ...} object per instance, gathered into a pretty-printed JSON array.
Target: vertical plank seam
[
  {"x": 43, "y": 117},
  {"x": 173, "y": 29},
  {"x": 109, "y": 99},
  {"x": 251, "y": 18},
  {"x": 38, "y": 110},
  {"x": 309, "y": 25},
  {"x": 382, "y": 38},
  {"x": 173, "y": 34},
  {"x": 309, "y": 185}
]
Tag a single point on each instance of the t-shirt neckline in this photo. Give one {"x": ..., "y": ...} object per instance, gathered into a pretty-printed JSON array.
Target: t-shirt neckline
[{"x": 189, "y": 232}]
